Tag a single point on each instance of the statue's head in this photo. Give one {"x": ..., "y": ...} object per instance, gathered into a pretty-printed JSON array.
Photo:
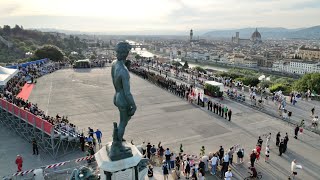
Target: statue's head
[{"x": 122, "y": 50}]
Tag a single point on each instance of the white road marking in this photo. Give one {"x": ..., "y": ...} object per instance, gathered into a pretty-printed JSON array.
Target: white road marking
[{"x": 49, "y": 97}]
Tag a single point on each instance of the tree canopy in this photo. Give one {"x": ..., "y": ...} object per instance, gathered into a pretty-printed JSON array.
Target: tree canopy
[
  {"x": 186, "y": 65},
  {"x": 49, "y": 51},
  {"x": 308, "y": 81}
]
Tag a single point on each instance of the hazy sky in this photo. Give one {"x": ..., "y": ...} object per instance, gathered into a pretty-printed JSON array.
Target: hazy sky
[{"x": 167, "y": 16}]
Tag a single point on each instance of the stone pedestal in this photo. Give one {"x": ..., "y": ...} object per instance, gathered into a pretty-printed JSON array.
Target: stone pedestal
[{"x": 132, "y": 168}]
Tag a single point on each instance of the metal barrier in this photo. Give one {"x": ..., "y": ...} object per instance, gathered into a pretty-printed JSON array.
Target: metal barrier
[
  {"x": 31, "y": 127},
  {"x": 61, "y": 170}
]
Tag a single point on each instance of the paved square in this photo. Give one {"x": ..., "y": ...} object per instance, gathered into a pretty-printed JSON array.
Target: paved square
[{"x": 86, "y": 97}]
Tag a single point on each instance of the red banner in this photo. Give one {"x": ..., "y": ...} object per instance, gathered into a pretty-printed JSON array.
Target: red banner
[
  {"x": 30, "y": 117},
  {"x": 10, "y": 107},
  {"x": 47, "y": 127},
  {"x": 3, "y": 104},
  {"x": 23, "y": 114},
  {"x": 16, "y": 110},
  {"x": 38, "y": 122}
]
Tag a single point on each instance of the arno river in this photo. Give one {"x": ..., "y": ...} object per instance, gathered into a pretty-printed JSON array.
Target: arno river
[{"x": 145, "y": 53}]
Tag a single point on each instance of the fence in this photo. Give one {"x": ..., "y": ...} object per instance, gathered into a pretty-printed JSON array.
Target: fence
[{"x": 57, "y": 171}]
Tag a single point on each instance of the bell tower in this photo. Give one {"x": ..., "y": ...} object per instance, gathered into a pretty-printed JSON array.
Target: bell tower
[{"x": 191, "y": 35}]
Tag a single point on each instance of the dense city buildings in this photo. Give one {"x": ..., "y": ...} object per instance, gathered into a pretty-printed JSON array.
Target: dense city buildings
[{"x": 293, "y": 56}]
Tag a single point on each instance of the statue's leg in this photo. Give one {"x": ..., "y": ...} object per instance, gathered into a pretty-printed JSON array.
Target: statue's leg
[{"x": 124, "y": 118}]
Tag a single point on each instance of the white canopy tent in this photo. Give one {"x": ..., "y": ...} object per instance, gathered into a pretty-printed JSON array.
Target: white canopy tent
[{"x": 6, "y": 74}]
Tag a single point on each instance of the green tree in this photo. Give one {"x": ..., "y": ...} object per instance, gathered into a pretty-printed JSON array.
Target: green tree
[
  {"x": 308, "y": 81},
  {"x": 49, "y": 51},
  {"x": 137, "y": 56},
  {"x": 93, "y": 57},
  {"x": 200, "y": 69}
]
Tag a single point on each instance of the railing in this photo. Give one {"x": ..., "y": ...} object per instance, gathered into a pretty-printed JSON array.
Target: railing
[{"x": 28, "y": 117}]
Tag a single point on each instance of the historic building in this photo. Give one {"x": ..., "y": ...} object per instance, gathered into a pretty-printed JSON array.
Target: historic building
[
  {"x": 309, "y": 53},
  {"x": 255, "y": 38},
  {"x": 296, "y": 67}
]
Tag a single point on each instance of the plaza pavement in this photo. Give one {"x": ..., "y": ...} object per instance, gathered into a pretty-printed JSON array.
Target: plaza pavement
[
  {"x": 301, "y": 110},
  {"x": 86, "y": 95}
]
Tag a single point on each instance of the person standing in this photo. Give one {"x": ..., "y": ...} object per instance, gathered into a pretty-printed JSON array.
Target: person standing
[
  {"x": 239, "y": 154},
  {"x": 225, "y": 112},
  {"x": 241, "y": 157},
  {"x": 143, "y": 148},
  {"x": 221, "y": 153},
  {"x": 268, "y": 139},
  {"x": 153, "y": 152},
  {"x": 98, "y": 135},
  {"x": 258, "y": 151},
  {"x": 211, "y": 106},
  {"x": 35, "y": 147},
  {"x": 208, "y": 105},
  {"x": 260, "y": 141},
  {"x": 167, "y": 155},
  {"x": 214, "y": 161},
  {"x": 229, "y": 114},
  {"x": 149, "y": 150},
  {"x": 228, "y": 174},
  {"x": 214, "y": 107},
  {"x": 82, "y": 142},
  {"x": 278, "y": 139},
  {"x": 165, "y": 170},
  {"x": 90, "y": 132},
  {"x": 312, "y": 111},
  {"x": 19, "y": 162},
  {"x": 230, "y": 154},
  {"x": 294, "y": 168},
  {"x": 296, "y": 130},
  {"x": 267, "y": 154},
  {"x": 187, "y": 168},
  {"x": 219, "y": 108},
  {"x": 253, "y": 157},
  {"x": 281, "y": 147},
  {"x": 285, "y": 141},
  {"x": 225, "y": 164}
]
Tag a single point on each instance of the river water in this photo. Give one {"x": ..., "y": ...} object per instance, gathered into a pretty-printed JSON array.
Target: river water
[{"x": 145, "y": 53}]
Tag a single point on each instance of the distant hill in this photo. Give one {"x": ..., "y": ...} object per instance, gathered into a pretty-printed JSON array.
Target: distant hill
[
  {"x": 21, "y": 41},
  {"x": 269, "y": 33}
]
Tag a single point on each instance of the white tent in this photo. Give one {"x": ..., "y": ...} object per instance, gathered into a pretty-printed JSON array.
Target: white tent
[{"x": 6, "y": 74}]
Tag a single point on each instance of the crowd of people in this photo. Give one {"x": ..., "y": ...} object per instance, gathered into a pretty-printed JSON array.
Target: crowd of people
[
  {"x": 219, "y": 163},
  {"x": 29, "y": 74}
]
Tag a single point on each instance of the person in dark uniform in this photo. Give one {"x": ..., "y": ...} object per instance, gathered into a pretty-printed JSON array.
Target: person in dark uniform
[
  {"x": 82, "y": 142},
  {"x": 35, "y": 147},
  {"x": 285, "y": 141},
  {"x": 281, "y": 147},
  {"x": 278, "y": 139},
  {"x": 229, "y": 114},
  {"x": 210, "y": 106},
  {"x": 296, "y": 130},
  {"x": 214, "y": 108}
]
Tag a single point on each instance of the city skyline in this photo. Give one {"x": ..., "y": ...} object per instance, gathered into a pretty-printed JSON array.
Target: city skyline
[{"x": 165, "y": 17}]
